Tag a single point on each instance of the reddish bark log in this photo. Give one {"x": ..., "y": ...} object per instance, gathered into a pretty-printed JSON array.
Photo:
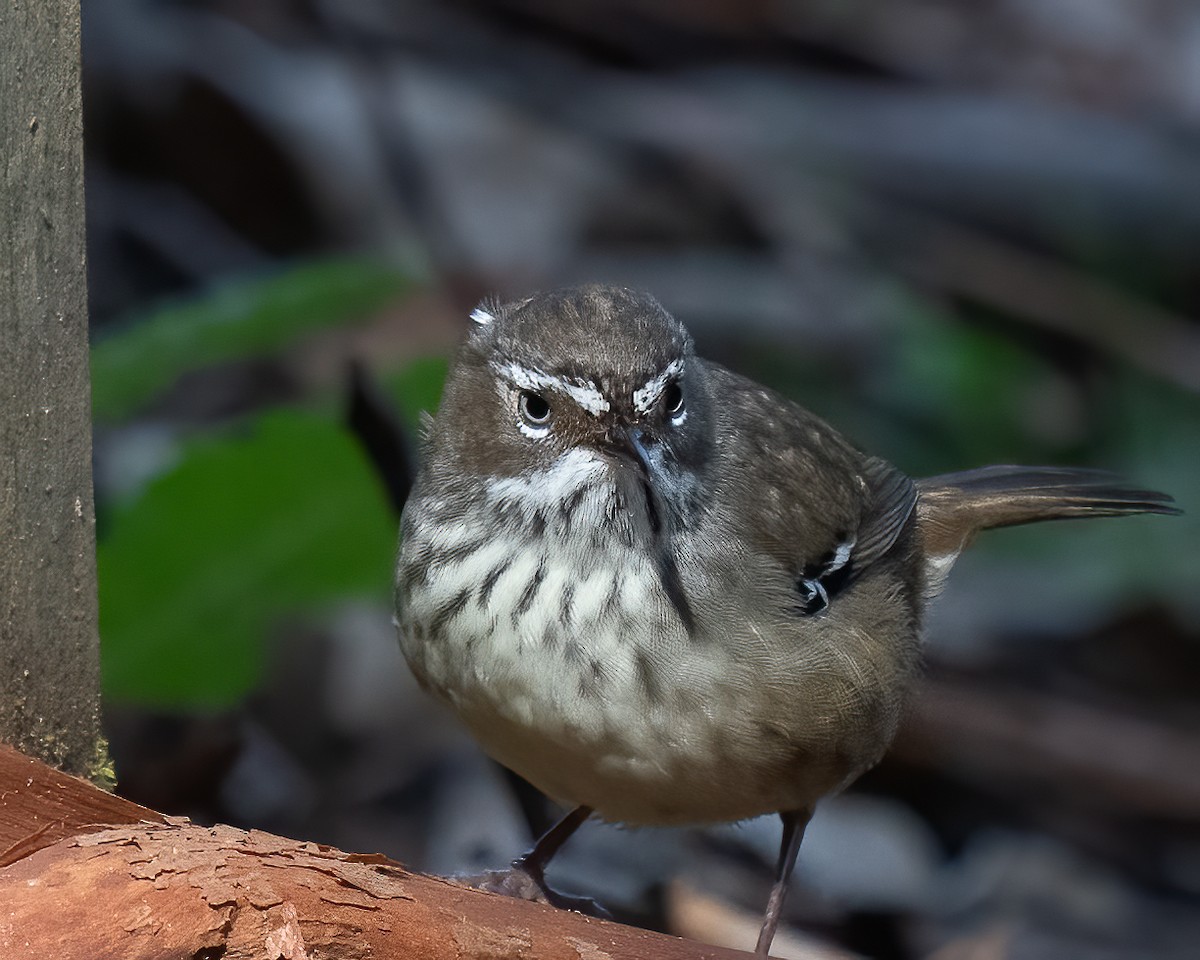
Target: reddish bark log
[{"x": 85, "y": 874}]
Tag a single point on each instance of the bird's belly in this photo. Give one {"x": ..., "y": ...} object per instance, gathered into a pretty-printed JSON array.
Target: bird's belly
[{"x": 580, "y": 676}]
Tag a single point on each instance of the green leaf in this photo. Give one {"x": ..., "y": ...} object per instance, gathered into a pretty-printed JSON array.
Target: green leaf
[
  {"x": 418, "y": 387},
  {"x": 241, "y": 319},
  {"x": 193, "y": 573},
  {"x": 961, "y": 394}
]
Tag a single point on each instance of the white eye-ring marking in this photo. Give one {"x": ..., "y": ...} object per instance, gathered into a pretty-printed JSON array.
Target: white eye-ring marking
[
  {"x": 535, "y": 414},
  {"x": 644, "y": 398},
  {"x": 583, "y": 392},
  {"x": 672, "y": 401},
  {"x": 533, "y": 433}
]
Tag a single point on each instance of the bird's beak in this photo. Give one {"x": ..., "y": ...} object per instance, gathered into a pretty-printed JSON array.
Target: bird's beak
[
  {"x": 627, "y": 444},
  {"x": 630, "y": 442}
]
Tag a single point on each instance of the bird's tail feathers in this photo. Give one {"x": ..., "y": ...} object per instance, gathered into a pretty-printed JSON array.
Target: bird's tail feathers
[{"x": 953, "y": 507}]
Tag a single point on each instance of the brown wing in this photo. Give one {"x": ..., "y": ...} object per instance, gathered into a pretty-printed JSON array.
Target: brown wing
[{"x": 803, "y": 493}]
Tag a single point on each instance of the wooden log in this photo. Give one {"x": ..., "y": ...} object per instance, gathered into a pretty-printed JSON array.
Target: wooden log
[
  {"x": 85, "y": 874},
  {"x": 49, "y": 642}
]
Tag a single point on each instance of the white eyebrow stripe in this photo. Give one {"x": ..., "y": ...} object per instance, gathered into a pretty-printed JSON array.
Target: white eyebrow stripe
[
  {"x": 583, "y": 392},
  {"x": 644, "y": 398}
]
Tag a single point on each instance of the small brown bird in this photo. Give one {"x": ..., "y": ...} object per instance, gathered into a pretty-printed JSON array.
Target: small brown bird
[{"x": 665, "y": 594}]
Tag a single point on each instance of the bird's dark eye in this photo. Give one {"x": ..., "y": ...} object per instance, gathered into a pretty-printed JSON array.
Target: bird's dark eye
[
  {"x": 672, "y": 399},
  {"x": 534, "y": 408}
]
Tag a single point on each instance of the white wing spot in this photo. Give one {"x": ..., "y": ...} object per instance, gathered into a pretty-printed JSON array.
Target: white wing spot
[
  {"x": 481, "y": 316},
  {"x": 936, "y": 570},
  {"x": 841, "y": 554}
]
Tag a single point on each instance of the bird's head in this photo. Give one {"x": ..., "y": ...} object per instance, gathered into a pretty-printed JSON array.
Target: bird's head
[{"x": 581, "y": 386}]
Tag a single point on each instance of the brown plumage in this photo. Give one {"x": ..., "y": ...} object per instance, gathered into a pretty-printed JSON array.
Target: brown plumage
[
  {"x": 953, "y": 507},
  {"x": 664, "y": 593}
]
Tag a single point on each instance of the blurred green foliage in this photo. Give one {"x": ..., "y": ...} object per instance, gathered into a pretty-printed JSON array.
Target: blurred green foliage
[
  {"x": 241, "y": 319},
  {"x": 930, "y": 392},
  {"x": 271, "y": 517},
  {"x": 246, "y": 527}
]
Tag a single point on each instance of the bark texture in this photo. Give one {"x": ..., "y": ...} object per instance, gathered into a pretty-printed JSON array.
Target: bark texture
[
  {"x": 49, "y": 647},
  {"x": 84, "y": 874}
]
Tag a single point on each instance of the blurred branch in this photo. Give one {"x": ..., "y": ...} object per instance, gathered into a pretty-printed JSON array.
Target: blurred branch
[
  {"x": 967, "y": 263},
  {"x": 372, "y": 419},
  {"x": 1124, "y": 765}
]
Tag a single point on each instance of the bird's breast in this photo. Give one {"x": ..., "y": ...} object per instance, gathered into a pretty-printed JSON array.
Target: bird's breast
[
  {"x": 554, "y": 640},
  {"x": 555, "y": 627}
]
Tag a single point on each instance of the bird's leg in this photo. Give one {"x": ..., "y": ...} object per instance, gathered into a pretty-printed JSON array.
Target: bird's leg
[
  {"x": 526, "y": 879},
  {"x": 794, "y": 822},
  {"x": 535, "y": 861}
]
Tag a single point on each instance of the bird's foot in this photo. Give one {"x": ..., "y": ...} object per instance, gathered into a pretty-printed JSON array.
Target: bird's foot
[{"x": 523, "y": 882}]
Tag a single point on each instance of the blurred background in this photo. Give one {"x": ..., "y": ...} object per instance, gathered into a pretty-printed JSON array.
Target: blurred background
[{"x": 964, "y": 231}]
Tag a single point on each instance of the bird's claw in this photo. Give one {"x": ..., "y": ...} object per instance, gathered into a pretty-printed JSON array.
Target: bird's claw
[{"x": 523, "y": 883}]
